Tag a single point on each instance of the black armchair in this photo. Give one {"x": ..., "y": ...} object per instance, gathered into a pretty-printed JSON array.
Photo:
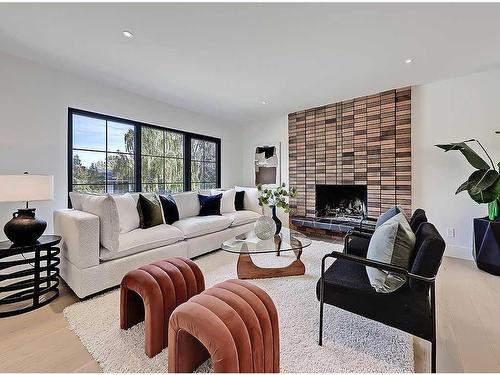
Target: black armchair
[{"x": 411, "y": 308}]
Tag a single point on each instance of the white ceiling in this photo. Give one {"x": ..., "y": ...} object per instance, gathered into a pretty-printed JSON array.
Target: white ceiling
[{"x": 224, "y": 59}]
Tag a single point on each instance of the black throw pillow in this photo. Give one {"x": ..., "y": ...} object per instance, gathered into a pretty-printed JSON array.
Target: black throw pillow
[
  {"x": 170, "y": 211},
  {"x": 210, "y": 204},
  {"x": 238, "y": 200},
  {"x": 149, "y": 212}
]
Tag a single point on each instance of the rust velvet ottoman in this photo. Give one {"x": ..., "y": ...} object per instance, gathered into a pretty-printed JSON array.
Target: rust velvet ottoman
[
  {"x": 152, "y": 292},
  {"x": 235, "y": 323}
]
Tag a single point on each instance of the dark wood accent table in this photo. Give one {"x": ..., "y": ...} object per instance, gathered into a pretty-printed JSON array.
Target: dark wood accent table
[
  {"x": 28, "y": 282},
  {"x": 247, "y": 244}
]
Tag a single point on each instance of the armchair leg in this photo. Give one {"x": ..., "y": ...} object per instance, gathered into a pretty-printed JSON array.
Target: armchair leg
[
  {"x": 433, "y": 355},
  {"x": 434, "y": 339},
  {"x": 320, "y": 341},
  {"x": 321, "y": 295}
]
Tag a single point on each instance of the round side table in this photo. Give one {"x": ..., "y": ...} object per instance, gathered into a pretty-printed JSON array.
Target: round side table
[{"x": 28, "y": 275}]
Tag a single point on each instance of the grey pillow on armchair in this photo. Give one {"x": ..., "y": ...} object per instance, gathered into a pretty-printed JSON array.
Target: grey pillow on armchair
[
  {"x": 391, "y": 212},
  {"x": 392, "y": 243}
]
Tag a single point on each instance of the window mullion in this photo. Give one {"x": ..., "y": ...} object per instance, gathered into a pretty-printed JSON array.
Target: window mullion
[
  {"x": 138, "y": 158},
  {"x": 187, "y": 162}
]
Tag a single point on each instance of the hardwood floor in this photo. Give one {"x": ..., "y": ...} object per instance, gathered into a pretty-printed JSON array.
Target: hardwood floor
[{"x": 468, "y": 311}]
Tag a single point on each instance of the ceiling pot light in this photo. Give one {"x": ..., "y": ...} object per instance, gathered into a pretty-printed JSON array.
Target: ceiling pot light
[
  {"x": 264, "y": 102},
  {"x": 128, "y": 34},
  {"x": 408, "y": 61}
]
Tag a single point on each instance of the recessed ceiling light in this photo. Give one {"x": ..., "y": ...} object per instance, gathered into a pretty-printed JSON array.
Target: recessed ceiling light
[
  {"x": 264, "y": 102},
  {"x": 128, "y": 34},
  {"x": 408, "y": 61}
]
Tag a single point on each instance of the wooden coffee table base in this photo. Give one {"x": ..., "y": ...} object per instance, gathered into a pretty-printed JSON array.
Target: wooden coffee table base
[{"x": 247, "y": 269}]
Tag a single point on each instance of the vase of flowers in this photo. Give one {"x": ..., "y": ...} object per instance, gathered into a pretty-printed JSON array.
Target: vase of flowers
[{"x": 276, "y": 198}]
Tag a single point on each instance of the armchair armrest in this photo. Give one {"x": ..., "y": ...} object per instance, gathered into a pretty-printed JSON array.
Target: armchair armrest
[
  {"x": 375, "y": 264},
  {"x": 354, "y": 233},
  {"x": 80, "y": 236}
]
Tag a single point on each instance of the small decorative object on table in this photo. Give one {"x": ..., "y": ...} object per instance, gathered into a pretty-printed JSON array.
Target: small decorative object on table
[
  {"x": 276, "y": 198},
  {"x": 483, "y": 186},
  {"x": 265, "y": 227},
  {"x": 24, "y": 228},
  {"x": 34, "y": 277}
]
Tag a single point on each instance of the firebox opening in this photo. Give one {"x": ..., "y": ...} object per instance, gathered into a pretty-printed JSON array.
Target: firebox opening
[{"x": 341, "y": 202}]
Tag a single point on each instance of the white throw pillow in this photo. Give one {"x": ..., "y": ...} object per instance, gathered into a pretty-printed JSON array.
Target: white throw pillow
[
  {"x": 127, "y": 212},
  {"x": 104, "y": 207},
  {"x": 227, "y": 200},
  {"x": 76, "y": 200},
  {"x": 188, "y": 204},
  {"x": 250, "y": 199}
]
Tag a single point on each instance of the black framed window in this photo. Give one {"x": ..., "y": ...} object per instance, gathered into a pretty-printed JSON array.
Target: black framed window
[
  {"x": 162, "y": 159},
  {"x": 102, "y": 155},
  {"x": 115, "y": 155},
  {"x": 203, "y": 164}
]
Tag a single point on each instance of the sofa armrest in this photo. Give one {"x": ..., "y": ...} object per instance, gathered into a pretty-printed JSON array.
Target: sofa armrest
[{"x": 80, "y": 236}]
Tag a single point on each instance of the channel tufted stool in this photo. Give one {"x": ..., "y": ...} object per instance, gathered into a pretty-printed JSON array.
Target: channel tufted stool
[
  {"x": 152, "y": 292},
  {"x": 235, "y": 323}
]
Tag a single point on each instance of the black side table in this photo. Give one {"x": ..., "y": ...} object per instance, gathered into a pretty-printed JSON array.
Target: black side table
[{"x": 28, "y": 275}]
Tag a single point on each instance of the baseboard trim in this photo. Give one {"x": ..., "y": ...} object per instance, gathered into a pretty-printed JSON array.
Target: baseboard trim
[{"x": 461, "y": 252}]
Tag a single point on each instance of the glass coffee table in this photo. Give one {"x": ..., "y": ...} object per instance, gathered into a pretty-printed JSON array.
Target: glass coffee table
[{"x": 248, "y": 243}]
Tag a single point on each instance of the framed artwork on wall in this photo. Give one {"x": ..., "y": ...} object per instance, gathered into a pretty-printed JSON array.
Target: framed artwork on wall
[{"x": 267, "y": 164}]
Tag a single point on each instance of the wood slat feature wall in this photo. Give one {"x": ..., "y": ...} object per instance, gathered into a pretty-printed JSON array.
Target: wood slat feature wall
[{"x": 365, "y": 141}]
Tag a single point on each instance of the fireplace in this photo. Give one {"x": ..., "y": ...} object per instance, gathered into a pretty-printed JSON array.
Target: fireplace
[{"x": 341, "y": 202}]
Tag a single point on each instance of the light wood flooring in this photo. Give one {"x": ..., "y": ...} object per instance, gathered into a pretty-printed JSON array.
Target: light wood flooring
[{"x": 468, "y": 306}]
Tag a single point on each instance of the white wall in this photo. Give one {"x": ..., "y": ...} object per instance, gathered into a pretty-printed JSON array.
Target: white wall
[
  {"x": 34, "y": 103},
  {"x": 451, "y": 111},
  {"x": 270, "y": 131}
]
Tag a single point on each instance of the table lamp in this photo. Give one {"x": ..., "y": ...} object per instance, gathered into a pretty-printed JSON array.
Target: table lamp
[{"x": 24, "y": 228}]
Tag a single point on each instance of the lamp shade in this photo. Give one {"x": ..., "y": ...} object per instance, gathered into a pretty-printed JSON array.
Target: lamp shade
[{"x": 26, "y": 188}]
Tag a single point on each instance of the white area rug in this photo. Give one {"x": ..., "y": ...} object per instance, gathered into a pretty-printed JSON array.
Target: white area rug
[{"x": 350, "y": 344}]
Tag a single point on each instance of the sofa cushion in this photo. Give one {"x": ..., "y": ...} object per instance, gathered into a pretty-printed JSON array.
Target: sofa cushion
[
  {"x": 76, "y": 200},
  {"x": 127, "y": 212},
  {"x": 239, "y": 198},
  {"x": 188, "y": 204},
  {"x": 242, "y": 217},
  {"x": 140, "y": 240},
  {"x": 170, "y": 211},
  {"x": 227, "y": 203},
  {"x": 209, "y": 204},
  {"x": 200, "y": 225},
  {"x": 150, "y": 213},
  {"x": 105, "y": 208},
  {"x": 250, "y": 199}
]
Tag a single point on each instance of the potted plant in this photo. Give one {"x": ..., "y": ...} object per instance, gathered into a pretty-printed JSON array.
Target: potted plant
[
  {"x": 276, "y": 197},
  {"x": 483, "y": 186}
]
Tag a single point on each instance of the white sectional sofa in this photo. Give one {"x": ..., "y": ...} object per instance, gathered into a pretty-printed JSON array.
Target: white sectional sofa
[{"x": 88, "y": 267}]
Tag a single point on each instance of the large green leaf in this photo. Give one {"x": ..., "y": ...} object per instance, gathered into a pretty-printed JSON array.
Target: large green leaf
[
  {"x": 474, "y": 159},
  {"x": 481, "y": 180},
  {"x": 462, "y": 187},
  {"x": 488, "y": 195}
]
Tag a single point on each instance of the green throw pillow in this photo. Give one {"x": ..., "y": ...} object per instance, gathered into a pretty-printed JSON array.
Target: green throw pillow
[
  {"x": 392, "y": 243},
  {"x": 149, "y": 212}
]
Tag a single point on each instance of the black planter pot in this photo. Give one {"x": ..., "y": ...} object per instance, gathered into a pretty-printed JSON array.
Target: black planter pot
[
  {"x": 276, "y": 220},
  {"x": 486, "y": 249},
  {"x": 24, "y": 228}
]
